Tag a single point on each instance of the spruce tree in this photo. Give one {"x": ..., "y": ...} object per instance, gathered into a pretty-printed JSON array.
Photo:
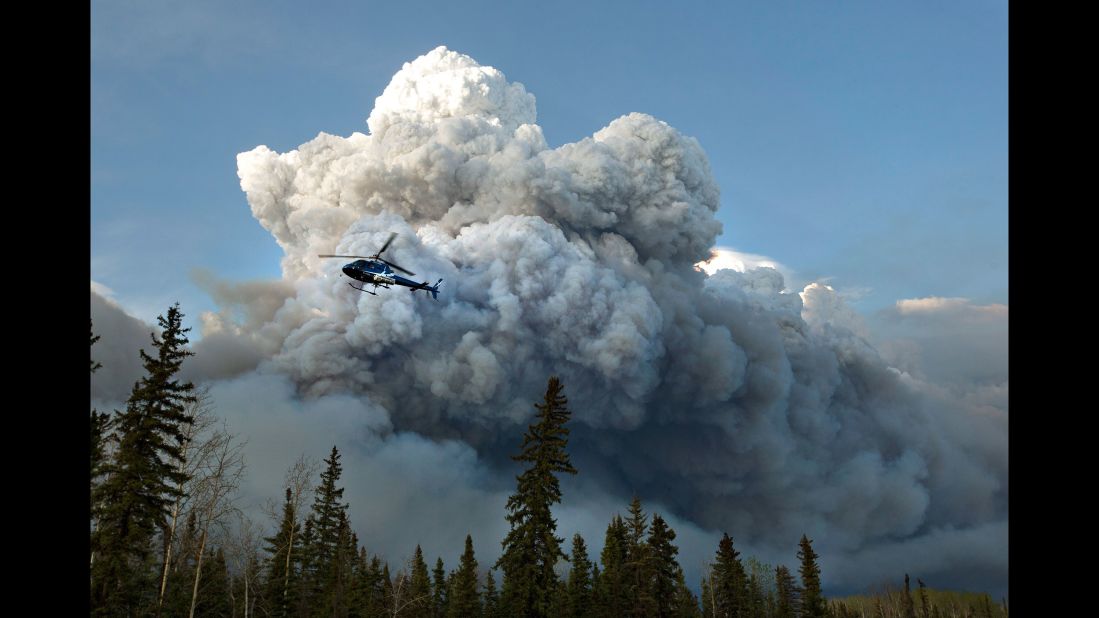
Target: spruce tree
[
  {"x": 579, "y": 583},
  {"x": 812, "y": 600},
  {"x": 281, "y": 583},
  {"x": 439, "y": 588},
  {"x": 98, "y": 425},
  {"x": 465, "y": 600},
  {"x": 925, "y": 607},
  {"x": 610, "y": 590},
  {"x": 638, "y": 568},
  {"x": 730, "y": 585},
  {"x": 908, "y": 606},
  {"x": 665, "y": 570},
  {"x": 213, "y": 593},
  {"x": 421, "y": 606},
  {"x": 491, "y": 607},
  {"x": 531, "y": 549},
  {"x": 708, "y": 598},
  {"x": 686, "y": 603},
  {"x": 785, "y": 593},
  {"x": 133, "y": 501}
]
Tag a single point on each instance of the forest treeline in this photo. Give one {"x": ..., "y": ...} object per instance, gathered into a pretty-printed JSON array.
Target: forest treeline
[{"x": 167, "y": 538}]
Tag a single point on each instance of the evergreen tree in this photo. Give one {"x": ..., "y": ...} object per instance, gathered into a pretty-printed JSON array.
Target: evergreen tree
[
  {"x": 785, "y": 593},
  {"x": 213, "y": 594},
  {"x": 812, "y": 601},
  {"x": 610, "y": 592},
  {"x": 665, "y": 571},
  {"x": 328, "y": 512},
  {"x": 281, "y": 583},
  {"x": 465, "y": 601},
  {"x": 98, "y": 424},
  {"x": 531, "y": 548},
  {"x": 421, "y": 606},
  {"x": 439, "y": 588},
  {"x": 638, "y": 568},
  {"x": 925, "y": 608},
  {"x": 908, "y": 607},
  {"x": 730, "y": 586},
  {"x": 133, "y": 501},
  {"x": 707, "y": 598},
  {"x": 491, "y": 608},
  {"x": 579, "y": 584},
  {"x": 375, "y": 588},
  {"x": 686, "y": 603},
  {"x": 308, "y": 580},
  {"x": 756, "y": 602}
]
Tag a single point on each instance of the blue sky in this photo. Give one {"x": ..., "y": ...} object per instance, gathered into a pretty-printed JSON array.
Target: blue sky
[{"x": 860, "y": 143}]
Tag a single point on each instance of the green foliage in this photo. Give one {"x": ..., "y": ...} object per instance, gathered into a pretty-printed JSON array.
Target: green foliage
[
  {"x": 638, "y": 568},
  {"x": 420, "y": 590},
  {"x": 439, "y": 589},
  {"x": 579, "y": 585},
  {"x": 132, "y": 503},
  {"x": 491, "y": 607},
  {"x": 664, "y": 571},
  {"x": 465, "y": 600},
  {"x": 785, "y": 593},
  {"x": 610, "y": 590},
  {"x": 282, "y": 576},
  {"x": 531, "y": 548},
  {"x": 730, "y": 585},
  {"x": 812, "y": 600}
]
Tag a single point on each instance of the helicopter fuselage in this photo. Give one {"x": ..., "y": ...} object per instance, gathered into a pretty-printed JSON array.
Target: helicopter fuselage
[{"x": 380, "y": 274}]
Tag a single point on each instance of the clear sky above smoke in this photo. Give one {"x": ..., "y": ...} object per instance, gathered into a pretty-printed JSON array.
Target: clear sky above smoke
[
  {"x": 861, "y": 142},
  {"x": 849, "y": 147}
]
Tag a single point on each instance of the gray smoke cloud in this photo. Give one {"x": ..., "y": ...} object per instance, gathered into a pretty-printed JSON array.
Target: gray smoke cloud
[{"x": 725, "y": 402}]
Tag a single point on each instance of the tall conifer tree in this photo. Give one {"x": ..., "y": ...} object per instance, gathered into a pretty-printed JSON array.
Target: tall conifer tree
[
  {"x": 579, "y": 584},
  {"x": 665, "y": 570},
  {"x": 785, "y": 593},
  {"x": 421, "y": 606},
  {"x": 133, "y": 501},
  {"x": 465, "y": 600},
  {"x": 730, "y": 586},
  {"x": 531, "y": 548},
  {"x": 812, "y": 600},
  {"x": 281, "y": 580}
]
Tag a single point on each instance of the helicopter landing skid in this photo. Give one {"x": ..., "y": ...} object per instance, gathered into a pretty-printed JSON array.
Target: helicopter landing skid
[{"x": 362, "y": 289}]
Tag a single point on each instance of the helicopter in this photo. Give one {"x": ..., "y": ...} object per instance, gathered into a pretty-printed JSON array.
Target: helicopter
[{"x": 372, "y": 269}]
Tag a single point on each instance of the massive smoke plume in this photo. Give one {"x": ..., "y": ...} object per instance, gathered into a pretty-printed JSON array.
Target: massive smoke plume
[{"x": 724, "y": 401}]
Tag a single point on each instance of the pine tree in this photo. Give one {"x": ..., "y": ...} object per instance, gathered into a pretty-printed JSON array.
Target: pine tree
[
  {"x": 812, "y": 601},
  {"x": 281, "y": 582},
  {"x": 531, "y": 549},
  {"x": 491, "y": 608},
  {"x": 785, "y": 593},
  {"x": 98, "y": 425},
  {"x": 925, "y": 608},
  {"x": 665, "y": 570},
  {"x": 610, "y": 590},
  {"x": 133, "y": 501},
  {"x": 465, "y": 601},
  {"x": 686, "y": 604},
  {"x": 730, "y": 585},
  {"x": 638, "y": 567},
  {"x": 579, "y": 584},
  {"x": 439, "y": 588},
  {"x": 707, "y": 592},
  {"x": 421, "y": 605},
  {"x": 213, "y": 595},
  {"x": 307, "y": 593},
  {"x": 908, "y": 607}
]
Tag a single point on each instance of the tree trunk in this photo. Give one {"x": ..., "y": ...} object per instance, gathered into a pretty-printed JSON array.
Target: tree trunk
[
  {"x": 198, "y": 572},
  {"x": 289, "y": 548},
  {"x": 167, "y": 558}
]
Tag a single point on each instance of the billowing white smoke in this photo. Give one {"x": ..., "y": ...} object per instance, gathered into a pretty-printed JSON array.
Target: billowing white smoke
[{"x": 734, "y": 405}]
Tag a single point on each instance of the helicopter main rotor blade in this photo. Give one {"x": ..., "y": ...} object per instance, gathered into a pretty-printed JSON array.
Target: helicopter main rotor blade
[
  {"x": 365, "y": 257},
  {"x": 392, "y": 235},
  {"x": 408, "y": 272}
]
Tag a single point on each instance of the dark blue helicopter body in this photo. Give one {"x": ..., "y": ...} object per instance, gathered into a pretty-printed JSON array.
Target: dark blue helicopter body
[{"x": 377, "y": 272}]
